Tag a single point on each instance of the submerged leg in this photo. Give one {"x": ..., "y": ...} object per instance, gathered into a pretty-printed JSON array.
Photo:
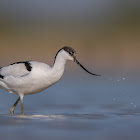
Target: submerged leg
[
  {"x": 22, "y": 109},
  {"x": 13, "y": 107}
]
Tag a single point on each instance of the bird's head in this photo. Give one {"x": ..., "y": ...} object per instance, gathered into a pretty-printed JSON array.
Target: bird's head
[{"x": 70, "y": 54}]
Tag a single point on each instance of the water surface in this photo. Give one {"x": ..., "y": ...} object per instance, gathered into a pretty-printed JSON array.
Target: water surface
[{"x": 75, "y": 109}]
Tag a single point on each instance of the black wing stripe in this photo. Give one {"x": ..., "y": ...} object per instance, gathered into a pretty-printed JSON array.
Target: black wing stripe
[
  {"x": 26, "y": 63},
  {"x": 28, "y": 66},
  {"x": 2, "y": 77}
]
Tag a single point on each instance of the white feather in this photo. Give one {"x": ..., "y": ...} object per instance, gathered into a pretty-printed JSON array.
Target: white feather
[
  {"x": 14, "y": 70},
  {"x": 17, "y": 79}
]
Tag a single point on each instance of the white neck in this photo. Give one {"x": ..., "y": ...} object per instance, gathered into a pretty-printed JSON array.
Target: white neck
[{"x": 59, "y": 65}]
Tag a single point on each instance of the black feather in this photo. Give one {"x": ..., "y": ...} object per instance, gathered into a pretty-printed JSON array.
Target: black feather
[
  {"x": 2, "y": 77},
  {"x": 26, "y": 63}
]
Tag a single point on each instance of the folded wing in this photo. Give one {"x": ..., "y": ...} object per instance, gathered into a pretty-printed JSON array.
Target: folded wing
[{"x": 16, "y": 69}]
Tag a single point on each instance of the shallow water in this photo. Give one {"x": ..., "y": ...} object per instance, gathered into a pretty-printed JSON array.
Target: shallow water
[{"x": 75, "y": 109}]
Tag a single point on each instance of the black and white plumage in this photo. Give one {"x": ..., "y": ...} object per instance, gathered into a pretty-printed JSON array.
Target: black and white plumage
[{"x": 30, "y": 77}]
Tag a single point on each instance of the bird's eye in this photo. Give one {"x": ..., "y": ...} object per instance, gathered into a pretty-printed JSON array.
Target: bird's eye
[{"x": 71, "y": 53}]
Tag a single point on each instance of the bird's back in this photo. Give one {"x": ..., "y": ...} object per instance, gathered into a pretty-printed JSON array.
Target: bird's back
[
  {"x": 15, "y": 69},
  {"x": 24, "y": 77}
]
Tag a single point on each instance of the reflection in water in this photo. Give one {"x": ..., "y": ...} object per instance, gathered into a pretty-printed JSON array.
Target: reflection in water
[
  {"x": 40, "y": 117},
  {"x": 69, "y": 112},
  {"x": 73, "y": 126}
]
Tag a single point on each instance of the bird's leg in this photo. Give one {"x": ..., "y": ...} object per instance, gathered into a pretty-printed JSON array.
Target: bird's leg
[
  {"x": 22, "y": 109},
  {"x": 13, "y": 107}
]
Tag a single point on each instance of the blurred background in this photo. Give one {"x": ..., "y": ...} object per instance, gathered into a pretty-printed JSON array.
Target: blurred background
[{"x": 105, "y": 34}]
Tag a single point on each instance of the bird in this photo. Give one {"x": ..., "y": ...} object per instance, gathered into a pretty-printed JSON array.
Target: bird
[{"x": 30, "y": 77}]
